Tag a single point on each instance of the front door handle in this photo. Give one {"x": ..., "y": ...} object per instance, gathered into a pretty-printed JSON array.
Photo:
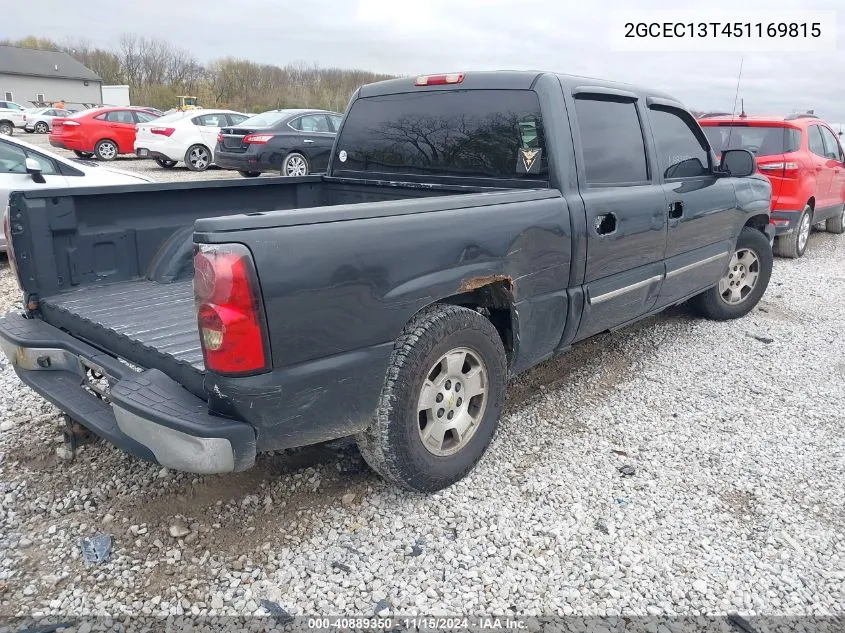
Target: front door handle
[
  {"x": 676, "y": 210},
  {"x": 308, "y": 140}
]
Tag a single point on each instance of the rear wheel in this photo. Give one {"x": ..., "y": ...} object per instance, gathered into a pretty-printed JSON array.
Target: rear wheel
[
  {"x": 795, "y": 244},
  {"x": 166, "y": 163},
  {"x": 106, "y": 150},
  {"x": 744, "y": 281},
  {"x": 295, "y": 165},
  {"x": 6, "y": 128},
  {"x": 837, "y": 224},
  {"x": 250, "y": 174},
  {"x": 441, "y": 400},
  {"x": 82, "y": 154},
  {"x": 197, "y": 158},
  {"x": 41, "y": 128}
]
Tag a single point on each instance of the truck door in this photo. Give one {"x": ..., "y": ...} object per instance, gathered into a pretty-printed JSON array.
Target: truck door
[
  {"x": 625, "y": 208},
  {"x": 702, "y": 207}
]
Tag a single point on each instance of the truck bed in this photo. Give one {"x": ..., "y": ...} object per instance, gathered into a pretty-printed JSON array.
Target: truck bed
[{"x": 151, "y": 322}]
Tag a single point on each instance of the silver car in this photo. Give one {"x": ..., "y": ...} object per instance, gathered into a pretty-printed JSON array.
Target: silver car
[
  {"x": 24, "y": 166},
  {"x": 40, "y": 120}
]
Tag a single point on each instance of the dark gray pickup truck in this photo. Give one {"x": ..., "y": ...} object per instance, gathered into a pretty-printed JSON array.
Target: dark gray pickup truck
[{"x": 469, "y": 226}]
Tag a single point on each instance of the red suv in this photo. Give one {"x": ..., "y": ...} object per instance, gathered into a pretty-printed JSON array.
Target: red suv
[
  {"x": 803, "y": 158},
  {"x": 101, "y": 132}
]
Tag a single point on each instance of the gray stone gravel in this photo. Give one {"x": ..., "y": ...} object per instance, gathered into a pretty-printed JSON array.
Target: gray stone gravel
[{"x": 735, "y": 503}]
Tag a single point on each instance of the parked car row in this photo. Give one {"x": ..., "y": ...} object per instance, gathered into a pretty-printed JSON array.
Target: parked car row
[{"x": 803, "y": 159}]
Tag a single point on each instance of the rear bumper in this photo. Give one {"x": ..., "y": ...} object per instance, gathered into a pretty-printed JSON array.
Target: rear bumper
[
  {"x": 57, "y": 143},
  {"x": 241, "y": 162},
  {"x": 786, "y": 221},
  {"x": 145, "y": 413}
]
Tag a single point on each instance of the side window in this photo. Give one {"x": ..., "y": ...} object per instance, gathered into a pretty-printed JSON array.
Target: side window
[
  {"x": 831, "y": 145},
  {"x": 612, "y": 140},
  {"x": 48, "y": 167},
  {"x": 680, "y": 152},
  {"x": 313, "y": 123},
  {"x": 144, "y": 117},
  {"x": 102, "y": 117},
  {"x": 815, "y": 140},
  {"x": 211, "y": 120},
  {"x": 336, "y": 121},
  {"x": 13, "y": 160},
  {"x": 237, "y": 118},
  {"x": 120, "y": 116}
]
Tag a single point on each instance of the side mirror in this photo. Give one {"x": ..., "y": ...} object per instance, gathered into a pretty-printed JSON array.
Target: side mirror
[
  {"x": 33, "y": 168},
  {"x": 738, "y": 163}
]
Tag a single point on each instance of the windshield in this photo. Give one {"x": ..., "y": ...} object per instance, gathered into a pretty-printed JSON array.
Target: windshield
[
  {"x": 470, "y": 133},
  {"x": 761, "y": 140},
  {"x": 265, "y": 119}
]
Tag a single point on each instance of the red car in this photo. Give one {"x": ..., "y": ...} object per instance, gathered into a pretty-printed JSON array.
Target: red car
[
  {"x": 803, "y": 159},
  {"x": 101, "y": 132}
]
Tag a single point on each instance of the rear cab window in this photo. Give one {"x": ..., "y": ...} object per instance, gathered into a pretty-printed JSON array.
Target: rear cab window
[
  {"x": 612, "y": 144},
  {"x": 478, "y": 134},
  {"x": 760, "y": 140}
]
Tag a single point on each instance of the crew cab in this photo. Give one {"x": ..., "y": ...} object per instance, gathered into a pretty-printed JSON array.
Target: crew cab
[{"x": 469, "y": 226}]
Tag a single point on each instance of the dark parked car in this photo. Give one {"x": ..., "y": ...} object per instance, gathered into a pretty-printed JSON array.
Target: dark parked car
[
  {"x": 291, "y": 142},
  {"x": 469, "y": 227}
]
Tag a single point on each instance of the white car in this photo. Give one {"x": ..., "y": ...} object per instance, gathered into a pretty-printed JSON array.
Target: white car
[
  {"x": 40, "y": 120},
  {"x": 24, "y": 166},
  {"x": 187, "y": 137}
]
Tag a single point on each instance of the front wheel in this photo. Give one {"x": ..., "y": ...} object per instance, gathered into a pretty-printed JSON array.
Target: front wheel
[
  {"x": 837, "y": 224},
  {"x": 441, "y": 400},
  {"x": 166, "y": 163},
  {"x": 250, "y": 174},
  {"x": 744, "y": 281},
  {"x": 295, "y": 165}
]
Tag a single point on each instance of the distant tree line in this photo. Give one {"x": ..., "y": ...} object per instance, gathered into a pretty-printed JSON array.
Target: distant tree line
[{"x": 157, "y": 71}]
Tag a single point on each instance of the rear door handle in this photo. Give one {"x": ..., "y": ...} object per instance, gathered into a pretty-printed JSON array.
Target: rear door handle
[
  {"x": 676, "y": 210},
  {"x": 308, "y": 140}
]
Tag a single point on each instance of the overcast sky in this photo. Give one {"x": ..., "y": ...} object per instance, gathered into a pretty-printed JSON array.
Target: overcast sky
[{"x": 420, "y": 36}]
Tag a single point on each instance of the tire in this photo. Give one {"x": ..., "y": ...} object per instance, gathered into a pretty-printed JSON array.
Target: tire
[
  {"x": 837, "y": 224},
  {"x": 164, "y": 163},
  {"x": 82, "y": 154},
  {"x": 6, "y": 128},
  {"x": 794, "y": 245},
  {"x": 28, "y": 131},
  {"x": 198, "y": 158},
  {"x": 729, "y": 299},
  {"x": 41, "y": 128},
  {"x": 250, "y": 174},
  {"x": 106, "y": 150},
  {"x": 295, "y": 165},
  {"x": 393, "y": 445}
]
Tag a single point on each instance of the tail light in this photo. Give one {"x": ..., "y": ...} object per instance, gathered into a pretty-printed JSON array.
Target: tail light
[
  {"x": 24, "y": 117},
  {"x": 220, "y": 137},
  {"x": 439, "y": 80},
  {"x": 230, "y": 314},
  {"x": 257, "y": 139},
  {"x": 70, "y": 123},
  {"x": 163, "y": 131},
  {"x": 783, "y": 166}
]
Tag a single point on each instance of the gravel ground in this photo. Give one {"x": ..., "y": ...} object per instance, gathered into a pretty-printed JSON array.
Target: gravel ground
[
  {"x": 148, "y": 167},
  {"x": 679, "y": 466}
]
